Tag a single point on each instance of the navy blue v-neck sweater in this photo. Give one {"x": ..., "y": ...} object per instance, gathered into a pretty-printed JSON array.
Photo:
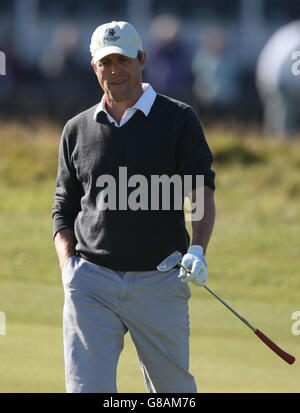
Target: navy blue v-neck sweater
[{"x": 168, "y": 141}]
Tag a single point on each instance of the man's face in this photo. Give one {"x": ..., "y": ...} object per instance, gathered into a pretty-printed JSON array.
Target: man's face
[{"x": 119, "y": 76}]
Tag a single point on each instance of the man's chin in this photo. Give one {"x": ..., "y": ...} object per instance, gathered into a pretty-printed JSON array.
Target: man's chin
[{"x": 119, "y": 97}]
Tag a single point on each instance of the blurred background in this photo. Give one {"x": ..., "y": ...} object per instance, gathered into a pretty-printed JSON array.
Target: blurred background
[
  {"x": 235, "y": 62},
  {"x": 205, "y": 52}
]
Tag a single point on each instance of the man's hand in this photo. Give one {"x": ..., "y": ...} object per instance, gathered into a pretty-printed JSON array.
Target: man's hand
[
  {"x": 194, "y": 260},
  {"x": 62, "y": 263},
  {"x": 65, "y": 245}
]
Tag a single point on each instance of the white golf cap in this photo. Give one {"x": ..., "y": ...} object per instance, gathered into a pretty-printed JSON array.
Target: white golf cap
[{"x": 115, "y": 37}]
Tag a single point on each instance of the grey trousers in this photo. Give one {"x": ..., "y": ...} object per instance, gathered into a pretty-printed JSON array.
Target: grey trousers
[{"x": 101, "y": 305}]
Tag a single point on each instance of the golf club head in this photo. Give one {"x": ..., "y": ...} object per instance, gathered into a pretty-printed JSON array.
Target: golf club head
[{"x": 170, "y": 262}]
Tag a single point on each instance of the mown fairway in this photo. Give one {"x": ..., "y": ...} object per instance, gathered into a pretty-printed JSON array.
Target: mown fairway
[{"x": 253, "y": 261}]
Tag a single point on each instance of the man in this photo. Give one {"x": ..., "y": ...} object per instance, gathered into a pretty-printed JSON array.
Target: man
[
  {"x": 108, "y": 252},
  {"x": 278, "y": 83}
]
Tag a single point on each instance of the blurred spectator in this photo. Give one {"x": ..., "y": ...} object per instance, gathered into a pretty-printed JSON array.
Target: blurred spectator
[
  {"x": 215, "y": 73},
  {"x": 55, "y": 59},
  {"x": 278, "y": 87},
  {"x": 61, "y": 71},
  {"x": 169, "y": 59}
]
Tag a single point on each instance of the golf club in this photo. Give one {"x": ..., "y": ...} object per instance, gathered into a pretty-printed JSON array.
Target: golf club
[{"x": 174, "y": 260}]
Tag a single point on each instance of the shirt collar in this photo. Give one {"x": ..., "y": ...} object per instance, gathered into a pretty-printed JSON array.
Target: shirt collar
[{"x": 144, "y": 103}]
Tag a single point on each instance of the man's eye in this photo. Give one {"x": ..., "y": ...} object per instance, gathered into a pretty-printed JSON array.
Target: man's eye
[{"x": 104, "y": 63}]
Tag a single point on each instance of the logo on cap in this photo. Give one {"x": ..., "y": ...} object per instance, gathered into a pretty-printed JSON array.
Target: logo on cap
[{"x": 110, "y": 36}]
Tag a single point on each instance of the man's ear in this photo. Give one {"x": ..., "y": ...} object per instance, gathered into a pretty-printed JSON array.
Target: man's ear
[
  {"x": 94, "y": 67},
  {"x": 143, "y": 61}
]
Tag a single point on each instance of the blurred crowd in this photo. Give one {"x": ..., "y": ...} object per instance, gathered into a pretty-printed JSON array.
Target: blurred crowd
[{"x": 207, "y": 76}]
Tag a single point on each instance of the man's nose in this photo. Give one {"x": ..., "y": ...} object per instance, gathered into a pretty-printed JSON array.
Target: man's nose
[{"x": 115, "y": 67}]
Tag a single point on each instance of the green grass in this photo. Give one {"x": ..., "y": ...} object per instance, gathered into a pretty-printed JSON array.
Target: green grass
[{"x": 252, "y": 257}]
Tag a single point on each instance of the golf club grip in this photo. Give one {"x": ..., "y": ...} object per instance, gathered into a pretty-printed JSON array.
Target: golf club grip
[{"x": 281, "y": 353}]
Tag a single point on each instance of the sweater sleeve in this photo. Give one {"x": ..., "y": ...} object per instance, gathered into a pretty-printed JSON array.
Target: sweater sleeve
[
  {"x": 68, "y": 189},
  {"x": 194, "y": 156}
]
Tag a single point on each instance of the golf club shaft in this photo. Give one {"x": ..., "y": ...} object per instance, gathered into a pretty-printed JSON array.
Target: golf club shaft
[
  {"x": 230, "y": 308},
  {"x": 223, "y": 302},
  {"x": 281, "y": 353}
]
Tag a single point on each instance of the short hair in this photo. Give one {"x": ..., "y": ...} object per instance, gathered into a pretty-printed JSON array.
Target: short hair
[{"x": 139, "y": 55}]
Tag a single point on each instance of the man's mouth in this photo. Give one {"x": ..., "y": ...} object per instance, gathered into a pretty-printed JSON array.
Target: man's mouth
[{"x": 118, "y": 82}]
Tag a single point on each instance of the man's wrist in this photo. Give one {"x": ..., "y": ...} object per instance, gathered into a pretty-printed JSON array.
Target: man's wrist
[
  {"x": 196, "y": 250},
  {"x": 64, "y": 259}
]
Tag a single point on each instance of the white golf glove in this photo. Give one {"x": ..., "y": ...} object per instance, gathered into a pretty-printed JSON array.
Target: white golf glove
[{"x": 194, "y": 260}]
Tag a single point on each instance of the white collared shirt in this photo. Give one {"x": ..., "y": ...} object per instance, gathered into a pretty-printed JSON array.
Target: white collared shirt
[{"x": 144, "y": 104}]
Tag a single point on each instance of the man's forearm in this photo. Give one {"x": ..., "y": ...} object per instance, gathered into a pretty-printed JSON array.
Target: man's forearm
[
  {"x": 202, "y": 229},
  {"x": 65, "y": 242}
]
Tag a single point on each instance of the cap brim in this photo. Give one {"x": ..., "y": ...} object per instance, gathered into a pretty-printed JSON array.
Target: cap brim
[{"x": 105, "y": 51}]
